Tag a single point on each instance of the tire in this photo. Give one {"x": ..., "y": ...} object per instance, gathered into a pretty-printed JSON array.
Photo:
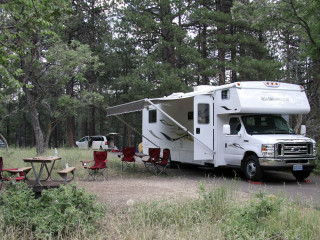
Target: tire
[
  {"x": 252, "y": 169},
  {"x": 173, "y": 164},
  {"x": 301, "y": 175}
]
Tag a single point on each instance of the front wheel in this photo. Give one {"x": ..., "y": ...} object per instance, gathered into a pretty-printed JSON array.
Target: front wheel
[
  {"x": 301, "y": 175},
  {"x": 252, "y": 168}
]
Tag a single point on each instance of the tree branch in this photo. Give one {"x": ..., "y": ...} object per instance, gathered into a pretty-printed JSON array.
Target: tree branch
[{"x": 303, "y": 23}]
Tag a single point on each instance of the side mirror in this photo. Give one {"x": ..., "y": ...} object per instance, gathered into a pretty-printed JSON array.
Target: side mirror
[
  {"x": 226, "y": 129},
  {"x": 303, "y": 130}
]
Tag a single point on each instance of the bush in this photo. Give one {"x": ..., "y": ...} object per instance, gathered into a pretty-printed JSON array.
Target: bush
[
  {"x": 57, "y": 212},
  {"x": 271, "y": 217}
]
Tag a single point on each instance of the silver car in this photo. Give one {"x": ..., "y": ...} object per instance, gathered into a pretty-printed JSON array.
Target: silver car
[{"x": 2, "y": 144}]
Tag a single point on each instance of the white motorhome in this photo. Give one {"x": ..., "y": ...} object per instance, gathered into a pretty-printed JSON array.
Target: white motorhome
[{"x": 242, "y": 125}]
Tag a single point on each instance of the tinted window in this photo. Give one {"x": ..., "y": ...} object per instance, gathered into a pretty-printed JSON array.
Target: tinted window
[
  {"x": 225, "y": 94},
  {"x": 83, "y": 139},
  {"x": 266, "y": 124},
  {"x": 203, "y": 113},
  {"x": 152, "y": 116}
]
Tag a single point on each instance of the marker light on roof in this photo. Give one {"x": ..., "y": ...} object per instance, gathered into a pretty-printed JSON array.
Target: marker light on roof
[
  {"x": 272, "y": 84},
  {"x": 238, "y": 84},
  {"x": 302, "y": 88}
]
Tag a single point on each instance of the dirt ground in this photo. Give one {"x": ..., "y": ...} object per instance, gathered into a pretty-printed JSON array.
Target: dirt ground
[
  {"x": 120, "y": 192},
  {"x": 128, "y": 189}
]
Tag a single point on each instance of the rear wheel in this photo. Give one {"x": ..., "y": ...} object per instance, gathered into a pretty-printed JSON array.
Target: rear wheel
[
  {"x": 252, "y": 168},
  {"x": 301, "y": 175}
]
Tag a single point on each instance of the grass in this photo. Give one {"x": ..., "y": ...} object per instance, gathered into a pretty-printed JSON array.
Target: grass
[
  {"x": 14, "y": 158},
  {"x": 217, "y": 213}
]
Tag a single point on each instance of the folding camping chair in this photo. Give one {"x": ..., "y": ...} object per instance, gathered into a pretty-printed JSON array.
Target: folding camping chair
[
  {"x": 154, "y": 155},
  {"x": 161, "y": 165},
  {"x": 99, "y": 169},
  {"x": 128, "y": 160}
]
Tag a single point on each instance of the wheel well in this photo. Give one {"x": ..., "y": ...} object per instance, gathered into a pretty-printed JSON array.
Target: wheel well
[{"x": 247, "y": 154}]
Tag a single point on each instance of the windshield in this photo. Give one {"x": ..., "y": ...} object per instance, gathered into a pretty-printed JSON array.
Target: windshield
[{"x": 266, "y": 124}]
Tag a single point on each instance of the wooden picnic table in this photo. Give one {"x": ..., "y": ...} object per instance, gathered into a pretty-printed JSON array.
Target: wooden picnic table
[{"x": 44, "y": 161}]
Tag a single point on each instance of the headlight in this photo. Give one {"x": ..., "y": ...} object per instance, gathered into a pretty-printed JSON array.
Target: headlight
[{"x": 267, "y": 150}]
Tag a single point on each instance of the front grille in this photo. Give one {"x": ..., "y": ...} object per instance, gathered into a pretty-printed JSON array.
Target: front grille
[
  {"x": 294, "y": 149},
  {"x": 296, "y": 161}
]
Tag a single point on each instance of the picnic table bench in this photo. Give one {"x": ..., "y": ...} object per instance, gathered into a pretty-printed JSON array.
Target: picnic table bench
[{"x": 64, "y": 173}]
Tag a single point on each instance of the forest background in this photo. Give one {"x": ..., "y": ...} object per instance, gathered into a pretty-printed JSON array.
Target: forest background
[{"x": 62, "y": 63}]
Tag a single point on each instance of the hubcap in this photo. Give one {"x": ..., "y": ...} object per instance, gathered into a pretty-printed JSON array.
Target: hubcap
[{"x": 251, "y": 169}]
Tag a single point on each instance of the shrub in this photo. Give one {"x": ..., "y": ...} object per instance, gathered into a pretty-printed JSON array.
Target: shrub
[
  {"x": 57, "y": 212},
  {"x": 271, "y": 217}
]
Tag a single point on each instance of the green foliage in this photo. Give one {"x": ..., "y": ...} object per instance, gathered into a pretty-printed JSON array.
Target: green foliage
[
  {"x": 218, "y": 214},
  {"x": 179, "y": 219},
  {"x": 270, "y": 217},
  {"x": 57, "y": 211},
  {"x": 67, "y": 104}
]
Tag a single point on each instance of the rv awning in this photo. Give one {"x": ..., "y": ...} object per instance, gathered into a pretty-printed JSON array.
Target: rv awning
[
  {"x": 140, "y": 104},
  {"x": 127, "y": 107},
  {"x": 135, "y": 106}
]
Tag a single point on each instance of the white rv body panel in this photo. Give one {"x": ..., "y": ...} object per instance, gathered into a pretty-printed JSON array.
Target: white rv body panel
[{"x": 256, "y": 98}]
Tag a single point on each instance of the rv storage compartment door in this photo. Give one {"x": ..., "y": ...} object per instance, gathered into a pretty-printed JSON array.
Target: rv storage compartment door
[{"x": 203, "y": 127}]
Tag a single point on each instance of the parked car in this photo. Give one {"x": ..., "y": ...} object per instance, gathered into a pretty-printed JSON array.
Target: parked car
[
  {"x": 2, "y": 144},
  {"x": 97, "y": 142}
]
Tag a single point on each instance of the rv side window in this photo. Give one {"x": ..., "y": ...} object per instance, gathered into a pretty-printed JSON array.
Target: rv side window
[
  {"x": 225, "y": 94},
  {"x": 152, "y": 116},
  {"x": 190, "y": 115},
  {"x": 203, "y": 113},
  {"x": 235, "y": 125}
]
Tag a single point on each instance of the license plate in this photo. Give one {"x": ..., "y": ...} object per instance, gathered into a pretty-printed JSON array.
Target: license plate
[{"x": 297, "y": 167}]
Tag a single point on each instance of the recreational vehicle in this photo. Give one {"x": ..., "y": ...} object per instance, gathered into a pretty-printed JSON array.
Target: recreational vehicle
[{"x": 240, "y": 125}]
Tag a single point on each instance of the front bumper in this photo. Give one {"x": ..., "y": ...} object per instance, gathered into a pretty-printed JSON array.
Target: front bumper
[{"x": 287, "y": 163}]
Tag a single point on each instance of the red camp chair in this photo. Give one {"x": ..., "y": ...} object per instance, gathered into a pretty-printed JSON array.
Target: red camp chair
[
  {"x": 99, "y": 169},
  {"x": 154, "y": 155},
  {"x": 161, "y": 165},
  {"x": 128, "y": 160}
]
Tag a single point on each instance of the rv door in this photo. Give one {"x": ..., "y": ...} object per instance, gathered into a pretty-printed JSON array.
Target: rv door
[{"x": 203, "y": 127}]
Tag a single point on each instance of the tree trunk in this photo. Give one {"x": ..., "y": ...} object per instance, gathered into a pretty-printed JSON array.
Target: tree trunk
[
  {"x": 70, "y": 122},
  {"x": 93, "y": 121},
  {"x": 70, "y": 132},
  {"x": 233, "y": 57},
  {"x": 315, "y": 86},
  {"x": 40, "y": 146},
  {"x": 168, "y": 53},
  {"x": 8, "y": 125},
  {"x": 223, "y": 6},
  {"x": 205, "y": 77},
  {"x": 85, "y": 128},
  {"x": 298, "y": 124}
]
